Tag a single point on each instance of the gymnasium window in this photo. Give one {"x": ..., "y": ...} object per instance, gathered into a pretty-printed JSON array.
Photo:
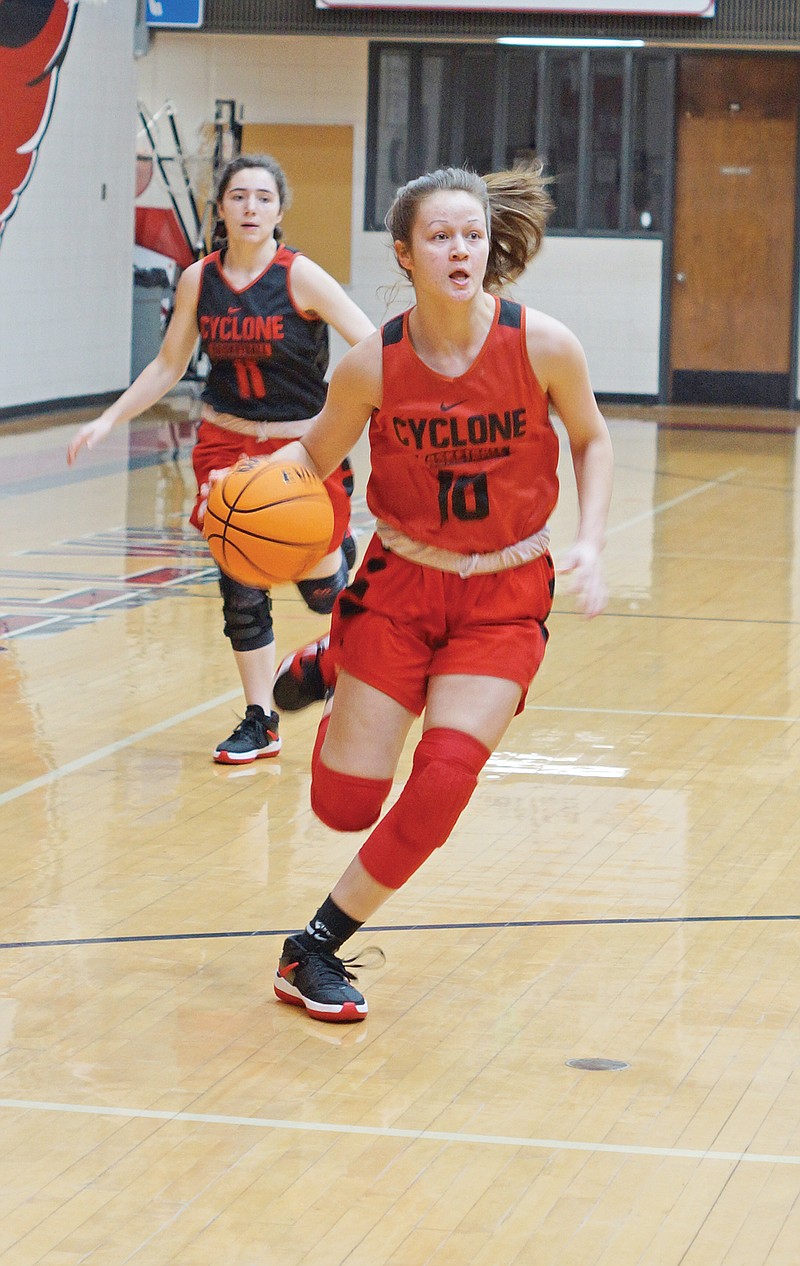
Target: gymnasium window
[
  {"x": 562, "y": 156},
  {"x": 601, "y": 120}
]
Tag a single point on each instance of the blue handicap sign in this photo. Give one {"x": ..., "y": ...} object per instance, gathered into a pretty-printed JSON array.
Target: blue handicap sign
[{"x": 175, "y": 13}]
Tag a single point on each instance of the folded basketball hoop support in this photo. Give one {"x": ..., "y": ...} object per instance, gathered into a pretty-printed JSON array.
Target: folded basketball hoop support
[{"x": 167, "y": 164}]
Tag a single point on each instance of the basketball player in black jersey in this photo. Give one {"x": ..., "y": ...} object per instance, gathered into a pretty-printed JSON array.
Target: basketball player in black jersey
[{"x": 262, "y": 313}]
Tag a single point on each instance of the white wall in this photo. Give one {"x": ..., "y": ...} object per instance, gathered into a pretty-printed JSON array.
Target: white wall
[
  {"x": 66, "y": 254},
  {"x": 607, "y": 290}
]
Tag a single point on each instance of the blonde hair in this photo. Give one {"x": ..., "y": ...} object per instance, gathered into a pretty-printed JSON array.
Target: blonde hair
[{"x": 515, "y": 203}]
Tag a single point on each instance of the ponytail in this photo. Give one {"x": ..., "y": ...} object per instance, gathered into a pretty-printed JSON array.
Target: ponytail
[{"x": 520, "y": 206}]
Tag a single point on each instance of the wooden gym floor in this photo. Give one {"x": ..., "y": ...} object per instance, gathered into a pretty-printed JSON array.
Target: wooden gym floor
[{"x": 624, "y": 887}]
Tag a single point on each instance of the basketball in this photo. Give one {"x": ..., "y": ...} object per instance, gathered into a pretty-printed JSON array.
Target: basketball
[{"x": 268, "y": 523}]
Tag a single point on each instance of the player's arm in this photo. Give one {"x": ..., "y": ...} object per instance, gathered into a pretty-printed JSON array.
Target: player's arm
[
  {"x": 560, "y": 365},
  {"x": 317, "y": 294},
  {"x": 355, "y": 389},
  {"x": 157, "y": 378}
]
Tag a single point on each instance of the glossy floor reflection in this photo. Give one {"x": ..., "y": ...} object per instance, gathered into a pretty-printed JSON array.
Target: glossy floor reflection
[{"x": 624, "y": 885}]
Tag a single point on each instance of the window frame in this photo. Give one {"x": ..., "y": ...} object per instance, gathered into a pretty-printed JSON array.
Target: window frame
[{"x": 631, "y": 60}]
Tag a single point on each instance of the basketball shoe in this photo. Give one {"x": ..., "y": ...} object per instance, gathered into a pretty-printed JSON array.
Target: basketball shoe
[
  {"x": 300, "y": 679},
  {"x": 319, "y": 981},
  {"x": 255, "y": 737}
]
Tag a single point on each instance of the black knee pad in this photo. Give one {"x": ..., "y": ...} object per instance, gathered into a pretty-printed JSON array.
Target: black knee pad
[
  {"x": 319, "y": 594},
  {"x": 248, "y": 615}
]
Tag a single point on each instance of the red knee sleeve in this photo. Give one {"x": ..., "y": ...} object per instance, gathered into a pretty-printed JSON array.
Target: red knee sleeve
[
  {"x": 344, "y": 801},
  {"x": 443, "y": 777}
]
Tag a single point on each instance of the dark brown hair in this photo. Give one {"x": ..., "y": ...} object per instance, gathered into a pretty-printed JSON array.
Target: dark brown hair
[
  {"x": 515, "y": 203},
  {"x": 245, "y": 162}
]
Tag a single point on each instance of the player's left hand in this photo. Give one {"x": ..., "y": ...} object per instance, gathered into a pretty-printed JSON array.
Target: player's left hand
[{"x": 583, "y": 563}]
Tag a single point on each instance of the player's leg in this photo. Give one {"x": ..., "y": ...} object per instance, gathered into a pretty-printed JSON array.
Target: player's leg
[
  {"x": 354, "y": 762},
  {"x": 248, "y": 617},
  {"x": 321, "y": 587},
  {"x": 303, "y": 677},
  {"x": 447, "y": 762},
  {"x": 465, "y": 718},
  {"x": 495, "y": 620},
  {"x": 248, "y": 626}
]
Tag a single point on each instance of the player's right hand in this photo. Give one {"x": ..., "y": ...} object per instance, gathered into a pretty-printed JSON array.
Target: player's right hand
[
  {"x": 89, "y": 435},
  {"x": 214, "y": 477},
  {"x": 582, "y": 561}
]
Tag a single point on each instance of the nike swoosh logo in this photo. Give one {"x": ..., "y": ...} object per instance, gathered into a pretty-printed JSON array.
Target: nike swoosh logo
[
  {"x": 230, "y": 310},
  {"x": 445, "y": 408}
]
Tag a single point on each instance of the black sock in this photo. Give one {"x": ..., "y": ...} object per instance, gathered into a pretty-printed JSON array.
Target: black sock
[{"x": 329, "y": 928}]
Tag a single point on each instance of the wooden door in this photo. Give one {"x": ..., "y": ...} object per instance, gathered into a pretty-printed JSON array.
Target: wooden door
[
  {"x": 318, "y": 161},
  {"x": 734, "y": 230}
]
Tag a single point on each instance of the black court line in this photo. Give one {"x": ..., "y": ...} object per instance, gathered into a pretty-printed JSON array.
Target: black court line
[{"x": 408, "y": 927}]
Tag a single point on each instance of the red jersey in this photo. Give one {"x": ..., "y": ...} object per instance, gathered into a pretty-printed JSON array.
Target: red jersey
[{"x": 467, "y": 464}]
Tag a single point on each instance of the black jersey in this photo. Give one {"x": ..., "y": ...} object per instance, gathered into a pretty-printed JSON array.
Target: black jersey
[{"x": 268, "y": 360}]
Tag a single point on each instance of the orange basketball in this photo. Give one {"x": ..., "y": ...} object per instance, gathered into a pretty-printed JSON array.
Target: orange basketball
[{"x": 268, "y": 523}]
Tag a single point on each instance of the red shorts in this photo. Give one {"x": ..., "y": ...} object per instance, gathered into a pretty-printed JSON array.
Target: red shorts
[
  {"x": 217, "y": 448},
  {"x": 398, "y": 624}
]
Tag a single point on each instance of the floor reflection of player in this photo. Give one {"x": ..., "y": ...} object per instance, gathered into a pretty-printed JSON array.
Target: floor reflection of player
[{"x": 262, "y": 312}]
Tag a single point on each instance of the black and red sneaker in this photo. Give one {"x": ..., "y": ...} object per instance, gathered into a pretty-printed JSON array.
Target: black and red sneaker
[
  {"x": 319, "y": 981},
  {"x": 301, "y": 677},
  {"x": 255, "y": 737}
]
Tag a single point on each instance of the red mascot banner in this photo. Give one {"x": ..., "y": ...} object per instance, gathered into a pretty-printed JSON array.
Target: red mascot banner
[{"x": 34, "y": 35}]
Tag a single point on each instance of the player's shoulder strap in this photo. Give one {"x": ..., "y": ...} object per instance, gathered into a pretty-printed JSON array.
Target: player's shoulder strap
[
  {"x": 392, "y": 331},
  {"x": 211, "y": 262},
  {"x": 510, "y": 314},
  {"x": 285, "y": 255}
]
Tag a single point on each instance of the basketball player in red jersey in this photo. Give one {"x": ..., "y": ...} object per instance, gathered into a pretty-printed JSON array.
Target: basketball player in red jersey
[
  {"x": 262, "y": 313},
  {"x": 447, "y": 612}
]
